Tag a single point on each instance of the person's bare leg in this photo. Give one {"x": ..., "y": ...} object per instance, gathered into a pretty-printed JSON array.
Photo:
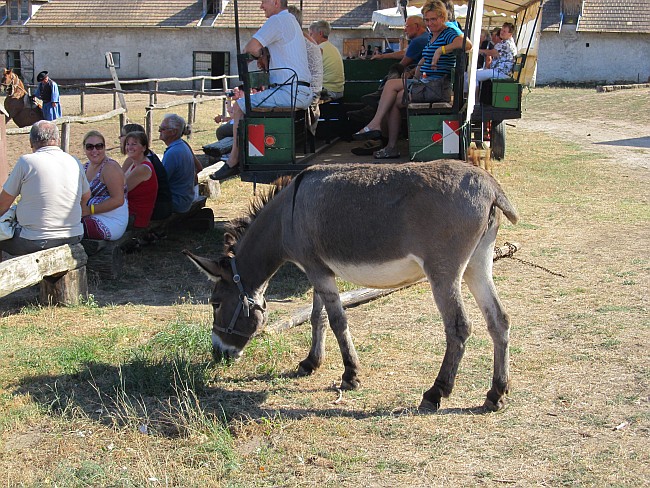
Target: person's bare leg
[
  {"x": 394, "y": 122},
  {"x": 388, "y": 98},
  {"x": 238, "y": 114}
]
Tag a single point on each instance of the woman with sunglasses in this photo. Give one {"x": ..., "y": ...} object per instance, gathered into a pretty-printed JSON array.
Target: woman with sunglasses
[
  {"x": 437, "y": 61},
  {"x": 107, "y": 214}
]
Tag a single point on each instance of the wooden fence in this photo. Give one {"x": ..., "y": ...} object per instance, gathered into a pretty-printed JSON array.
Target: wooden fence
[{"x": 198, "y": 96}]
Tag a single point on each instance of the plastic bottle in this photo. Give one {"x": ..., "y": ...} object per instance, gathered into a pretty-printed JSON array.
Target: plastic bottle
[{"x": 424, "y": 78}]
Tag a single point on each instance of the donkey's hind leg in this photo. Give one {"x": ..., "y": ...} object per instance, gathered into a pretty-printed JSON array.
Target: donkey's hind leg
[
  {"x": 478, "y": 277},
  {"x": 317, "y": 352},
  {"x": 447, "y": 294}
]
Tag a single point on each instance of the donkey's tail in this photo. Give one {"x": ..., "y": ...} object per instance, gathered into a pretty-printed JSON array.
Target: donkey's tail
[{"x": 501, "y": 201}]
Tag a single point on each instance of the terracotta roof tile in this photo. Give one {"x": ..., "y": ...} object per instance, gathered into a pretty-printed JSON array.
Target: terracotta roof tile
[
  {"x": 118, "y": 13},
  {"x": 630, "y": 16},
  {"x": 623, "y": 16},
  {"x": 339, "y": 13}
]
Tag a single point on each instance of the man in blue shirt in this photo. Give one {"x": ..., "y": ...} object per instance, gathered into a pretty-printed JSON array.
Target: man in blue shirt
[
  {"x": 418, "y": 36},
  {"x": 178, "y": 161}
]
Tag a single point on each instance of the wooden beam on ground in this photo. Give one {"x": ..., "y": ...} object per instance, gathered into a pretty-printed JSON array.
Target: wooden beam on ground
[
  {"x": 24, "y": 271},
  {"x": 364, "y": 295}
]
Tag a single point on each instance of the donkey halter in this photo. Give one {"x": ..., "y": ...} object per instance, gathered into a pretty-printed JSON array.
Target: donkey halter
[{"x": 246, "y": 303}]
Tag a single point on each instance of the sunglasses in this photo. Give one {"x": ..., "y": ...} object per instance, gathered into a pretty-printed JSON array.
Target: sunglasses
[{"x": 99, "y": 146}]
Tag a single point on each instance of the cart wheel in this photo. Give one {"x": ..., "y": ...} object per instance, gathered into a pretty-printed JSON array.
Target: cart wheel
[{"x": 498, "y": 139}]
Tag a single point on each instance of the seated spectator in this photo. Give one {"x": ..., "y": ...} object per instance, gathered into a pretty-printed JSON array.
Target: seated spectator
[
  {"x": 283, "y": 38},
  {"x": 53, "y": 191},
  {"x": 503, "y": 56},
  {"x": 495, "y": 36},
  {"x": 178, "y": 161},
  {"x": 486, "y": 43},
  {"x": 315, "y": 62},
  {"x": 418, "y": 36},
  {"x": 141, "y": 181},
  {"x": 163, "y": 206},
  {"x": 333, "y": 71},
  {"x": 108, "y": 214},
  {"x": 437, "y": 62}
]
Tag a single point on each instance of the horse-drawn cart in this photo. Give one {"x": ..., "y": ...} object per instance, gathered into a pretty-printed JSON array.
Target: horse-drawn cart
[{"x": 271, "y": 140}]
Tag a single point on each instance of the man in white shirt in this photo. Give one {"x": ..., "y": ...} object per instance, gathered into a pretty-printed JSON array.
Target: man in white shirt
[
  {"x": 283, "y": 37},
  {"x": 54, "y": 194}
]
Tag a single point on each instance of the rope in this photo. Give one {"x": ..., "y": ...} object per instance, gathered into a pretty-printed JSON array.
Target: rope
[{"x": 510, "y": 254}]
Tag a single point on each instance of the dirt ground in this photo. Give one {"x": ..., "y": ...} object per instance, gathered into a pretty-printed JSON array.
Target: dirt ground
[
  {"x": 625, "y": 140},
  {"x": 576, "y": 167}
]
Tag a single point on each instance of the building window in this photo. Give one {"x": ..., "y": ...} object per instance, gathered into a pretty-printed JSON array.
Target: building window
[
  {"x": 116, "y": 60},
  {"x": 18, "y": 11}
]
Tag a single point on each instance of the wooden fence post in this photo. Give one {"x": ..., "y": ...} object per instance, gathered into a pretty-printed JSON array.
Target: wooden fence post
[
  {"x": 202, "y": 85},
  {"x": 82, "y": 101},
  {"x": 148, "y": 124},
  {"x": 155, "y": 92},
  {"x": 114, "y": 100},
  {"x": 189, "y": 115},
  {"x": 65, "y": 136}
]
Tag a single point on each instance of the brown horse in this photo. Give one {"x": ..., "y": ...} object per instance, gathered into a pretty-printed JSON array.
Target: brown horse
[
  {"x": 22, "y": 112},
  {"x": 377, "y": 225}
]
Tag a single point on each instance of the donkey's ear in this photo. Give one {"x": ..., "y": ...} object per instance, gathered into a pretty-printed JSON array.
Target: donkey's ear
[
  {"x": 229, "y": 241},
  {"x": 212, "y": 269}
]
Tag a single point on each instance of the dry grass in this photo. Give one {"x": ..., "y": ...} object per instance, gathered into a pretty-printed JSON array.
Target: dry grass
[{"x": 77, "y": 385}]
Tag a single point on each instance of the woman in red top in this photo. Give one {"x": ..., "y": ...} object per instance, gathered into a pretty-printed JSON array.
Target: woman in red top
[{"x": 141, "y": 178}]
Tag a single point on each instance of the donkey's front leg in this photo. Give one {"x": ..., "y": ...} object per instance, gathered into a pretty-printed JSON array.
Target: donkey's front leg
[
  {"x": 329, "y": 294},
  {"x": 317, "y": 352}
]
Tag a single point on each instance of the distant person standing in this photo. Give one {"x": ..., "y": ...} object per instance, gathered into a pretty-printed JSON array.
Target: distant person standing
[
  {"x": 48, "y": 92},
  {"x": 333, "y": 71}
]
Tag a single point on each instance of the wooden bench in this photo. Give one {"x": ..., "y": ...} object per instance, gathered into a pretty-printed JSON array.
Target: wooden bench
[
  {"x": 61, "y": 272},
  {"x": 106, "y": 258}
]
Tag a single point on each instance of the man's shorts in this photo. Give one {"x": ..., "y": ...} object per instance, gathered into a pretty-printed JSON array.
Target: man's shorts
[{"x": 279, "y": 96}]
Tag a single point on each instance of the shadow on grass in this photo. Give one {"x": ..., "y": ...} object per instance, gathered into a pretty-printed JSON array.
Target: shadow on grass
[{"x": 172, "y": 398}]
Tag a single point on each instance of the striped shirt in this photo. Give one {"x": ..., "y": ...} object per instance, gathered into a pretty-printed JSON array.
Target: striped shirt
[{"x": 446, "y": 61}]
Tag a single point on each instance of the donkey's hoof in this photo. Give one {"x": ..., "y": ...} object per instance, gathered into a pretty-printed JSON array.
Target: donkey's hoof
[
  {"x": 305, "y": 368},
  {"x": 497, "y": 406},
  {"x": 352, "y": 384},
  {"x": 427, "y": 406}
]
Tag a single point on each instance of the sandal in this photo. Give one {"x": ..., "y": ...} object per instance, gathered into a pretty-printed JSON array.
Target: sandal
[
  {"x": 366, "y": 134},
  {"x": 387, "y": 153}
]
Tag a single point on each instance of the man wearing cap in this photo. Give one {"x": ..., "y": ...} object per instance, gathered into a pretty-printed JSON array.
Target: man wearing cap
[{"x": 48, "y": 91}]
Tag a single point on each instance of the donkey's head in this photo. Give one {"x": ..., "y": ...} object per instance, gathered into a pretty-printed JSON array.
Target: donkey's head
[{"x": 238, "y": 312}]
